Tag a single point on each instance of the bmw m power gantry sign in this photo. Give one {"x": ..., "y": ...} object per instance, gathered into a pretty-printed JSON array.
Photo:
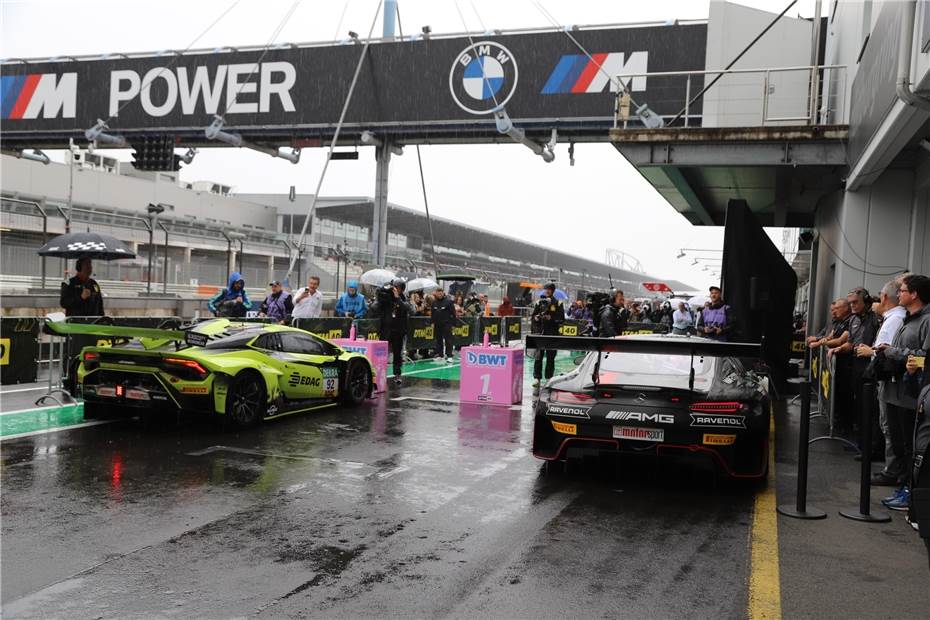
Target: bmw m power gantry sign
[{"x": 432, "y": 89}]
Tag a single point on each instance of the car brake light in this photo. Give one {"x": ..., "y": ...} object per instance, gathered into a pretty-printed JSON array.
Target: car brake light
[
  {"x": 717, "y": 406},
  {"x": 571, "y": 397},
  {"x": 119, "y": 391},
  {"x": 191, "y": 365},
  {"x": 91, "y": 356}
]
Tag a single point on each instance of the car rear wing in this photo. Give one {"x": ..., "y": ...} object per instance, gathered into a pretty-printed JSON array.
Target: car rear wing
[
  {"x": 663, "y": 345},
  {"x": 56, "y": 325}
]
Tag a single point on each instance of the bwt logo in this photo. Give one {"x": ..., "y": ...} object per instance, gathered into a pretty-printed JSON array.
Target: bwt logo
[
  {"x": 353, "y": 349},
  {"x": 28, "y": 96},
  {"x": 576, "y": 73},
  {"x": 494, "y": 360}
]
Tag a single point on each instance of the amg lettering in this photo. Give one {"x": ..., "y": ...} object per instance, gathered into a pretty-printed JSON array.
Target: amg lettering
[{"x": 640, "y": 416}]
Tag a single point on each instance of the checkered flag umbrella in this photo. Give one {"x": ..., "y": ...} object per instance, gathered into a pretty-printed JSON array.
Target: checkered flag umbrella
[{"x": 91, "y": 245}]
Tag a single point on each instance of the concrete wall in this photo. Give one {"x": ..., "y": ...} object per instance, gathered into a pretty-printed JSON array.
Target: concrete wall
[
  {"x": 34, "y": 181},
  {"x": 736, "y": 100},
  {"x": 869, "y": 236}
]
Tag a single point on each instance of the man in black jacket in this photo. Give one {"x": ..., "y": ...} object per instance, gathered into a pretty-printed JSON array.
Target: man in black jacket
[
  {"x": 392, "y": 309},
  {"x": 548, "y": 316},
  {"x": 81, "y": 296},
  {"x": 614, "y": 317},
  {"x": 442, "y": 314}
]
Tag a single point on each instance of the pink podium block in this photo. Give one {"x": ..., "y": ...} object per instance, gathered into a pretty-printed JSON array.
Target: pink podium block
[
  {"x": 377, "y": 353},
  {"x": 491, "y": 375}
]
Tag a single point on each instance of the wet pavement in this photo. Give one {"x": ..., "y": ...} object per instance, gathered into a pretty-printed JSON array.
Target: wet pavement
[{"x": 412, "y": 505}]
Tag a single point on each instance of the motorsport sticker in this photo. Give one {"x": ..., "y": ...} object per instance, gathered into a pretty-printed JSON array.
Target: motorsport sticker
[
  {"x": 483, "y": 77},
  {"x": 719, "y": 440},
  {"x": 639, "y": 434},
  {"x": 565, "y": 429},
  {"x": 719, "y": 421},
  {"x": 569, "y": 411},
  {"x": 4, "y": 351}
]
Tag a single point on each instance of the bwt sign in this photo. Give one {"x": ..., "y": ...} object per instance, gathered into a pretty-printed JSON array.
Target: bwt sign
[
  {"x": 200, "y": 92},
  {"x": 491, "y": 360}
]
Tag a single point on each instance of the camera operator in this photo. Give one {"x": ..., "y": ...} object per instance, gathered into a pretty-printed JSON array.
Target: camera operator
[
  {"x": 392, "y": 309},
  {"x": 548, "y": 316},
  {"x": 614, "y": 317}
]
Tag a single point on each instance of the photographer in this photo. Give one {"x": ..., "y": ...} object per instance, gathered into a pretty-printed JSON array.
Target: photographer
[
  {"x": 614, "y": 317},
  {"x": 351, "y": 304},
  {"x": 548, "y": 316},
  {"x": 232, "y": 301},
  {"x": 392, "y": 309}
]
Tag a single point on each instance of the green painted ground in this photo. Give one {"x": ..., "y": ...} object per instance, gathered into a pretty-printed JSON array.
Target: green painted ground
[
  {"x": 40, "y": 419},
  {"x": 438, "y": 369}
]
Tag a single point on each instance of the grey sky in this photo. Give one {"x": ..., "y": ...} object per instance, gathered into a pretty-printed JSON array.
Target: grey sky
[{"x": 602, "y": 202}]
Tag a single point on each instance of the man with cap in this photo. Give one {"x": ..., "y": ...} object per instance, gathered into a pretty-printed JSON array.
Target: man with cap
[
  {"x": 716, "y": 320},
  {"x": 351, "y": 304},
  {"x": 81, "y": 296},
  {"x": 278, "y": 304},
  {"x": 547, "y": 317}
]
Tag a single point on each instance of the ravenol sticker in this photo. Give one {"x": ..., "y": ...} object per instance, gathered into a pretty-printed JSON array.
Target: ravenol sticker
[
  {"x": 4, "y": 351},
  {"x": 718, "y": 440},
  {"x": 572, "y": 411},
  {"x": 490, "y": 360},
  {"x": 722, "y": 421},
  {"x": 565, "y": 429},
  {"x": 483, "y": 77}
]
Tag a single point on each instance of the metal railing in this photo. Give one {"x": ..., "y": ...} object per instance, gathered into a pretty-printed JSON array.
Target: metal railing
[{"x": 808, "y": 95}]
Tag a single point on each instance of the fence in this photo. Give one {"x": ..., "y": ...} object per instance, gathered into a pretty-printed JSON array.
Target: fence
[{"x": 806, "y": 95}]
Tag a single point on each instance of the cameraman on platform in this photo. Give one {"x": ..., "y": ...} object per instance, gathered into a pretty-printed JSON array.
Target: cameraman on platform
[{"x": 392, "y": 309}]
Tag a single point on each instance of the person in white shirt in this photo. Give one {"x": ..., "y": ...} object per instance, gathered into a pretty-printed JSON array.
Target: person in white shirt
[
  {"x": 682, "y": 319},
  {"x": 892, "y": 319},
  {"x": 308, "y": 301}
]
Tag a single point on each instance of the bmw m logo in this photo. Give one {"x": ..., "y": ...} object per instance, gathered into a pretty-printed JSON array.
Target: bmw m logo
[{"x": 483, "y": 77}]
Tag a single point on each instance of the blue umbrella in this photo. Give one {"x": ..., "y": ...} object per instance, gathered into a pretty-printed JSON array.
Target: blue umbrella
[{"x": 559, "y": 294}]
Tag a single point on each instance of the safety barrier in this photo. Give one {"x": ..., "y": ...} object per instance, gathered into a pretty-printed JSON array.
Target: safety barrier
[
  {"x": 513, "y": 328},
  {"x": 19, "y": 350}
]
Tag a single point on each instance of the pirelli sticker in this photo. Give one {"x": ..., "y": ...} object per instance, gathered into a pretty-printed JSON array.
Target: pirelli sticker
[
  {"x": 565, "y": 429},
  {"x": 718, "y": 440}
]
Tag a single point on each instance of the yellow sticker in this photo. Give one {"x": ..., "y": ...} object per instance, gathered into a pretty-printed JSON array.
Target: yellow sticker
[
  {"x": 4, "y": 351},
  {"x": 194, "y": 390},
  {"x": 566, "y": 429},
  {"x": 718, "y": 440}
]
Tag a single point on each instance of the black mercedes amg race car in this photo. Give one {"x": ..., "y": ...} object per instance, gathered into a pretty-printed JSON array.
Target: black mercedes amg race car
[{"x": 660, "y": 395}]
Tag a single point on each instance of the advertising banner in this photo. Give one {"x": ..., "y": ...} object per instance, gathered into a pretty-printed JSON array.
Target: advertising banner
[
  {"x": 325, "y": 327},
  {"x": 19, "y": 350},
  {"x": 464, "y": 332},
  {"x": 645, "y": 328},
  {"x": 513, "y": 327},
  {"x": 369, "y": 329},
  {"x": 419, "y": 333},
  {"x": 433, "y": 86},
  {"x": 492, "y": 326}
]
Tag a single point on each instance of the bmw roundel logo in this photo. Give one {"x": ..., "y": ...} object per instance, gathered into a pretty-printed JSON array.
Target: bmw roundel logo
[{"x": 483, "y": 77}]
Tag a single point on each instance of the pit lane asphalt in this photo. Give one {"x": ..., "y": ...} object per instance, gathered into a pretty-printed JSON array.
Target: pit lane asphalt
[
  {"x": 400, "y": 507},
  {"x": 413, "y": 505}
]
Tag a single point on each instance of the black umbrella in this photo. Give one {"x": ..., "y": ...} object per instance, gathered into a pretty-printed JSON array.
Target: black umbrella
[{"x": 91, "y": 245}]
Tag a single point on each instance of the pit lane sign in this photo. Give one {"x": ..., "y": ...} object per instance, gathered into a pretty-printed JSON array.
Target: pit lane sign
[{"x": 430, "y": 86}]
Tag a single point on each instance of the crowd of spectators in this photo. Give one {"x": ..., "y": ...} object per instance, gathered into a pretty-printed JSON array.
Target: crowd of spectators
[{"x": 885, "y": 340}]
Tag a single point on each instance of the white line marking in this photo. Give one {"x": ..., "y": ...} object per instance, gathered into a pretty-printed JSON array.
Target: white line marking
[
  {"x": 35, "y": 389},
  {"x": 433, "y": 369},
  {"x": 65, "y": 406},
  {"x": 57, "y": 429}
]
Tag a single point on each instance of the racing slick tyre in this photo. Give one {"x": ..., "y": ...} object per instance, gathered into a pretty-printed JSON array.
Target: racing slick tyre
[
  {"x": 246, "y": 403},
  {"x": 358, "y": 383}
]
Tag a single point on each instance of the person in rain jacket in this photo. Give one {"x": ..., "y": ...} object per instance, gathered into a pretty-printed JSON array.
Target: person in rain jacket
[
  {"x": 351, "y": 304},
  {"x": 233, "y": 300}
]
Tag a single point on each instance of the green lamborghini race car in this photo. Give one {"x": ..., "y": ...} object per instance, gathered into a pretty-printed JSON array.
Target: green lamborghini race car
[{"x": 243, "y": 372}]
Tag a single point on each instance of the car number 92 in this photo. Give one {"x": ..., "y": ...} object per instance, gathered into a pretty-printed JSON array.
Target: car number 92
[{"x": 330, "y": 385}]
